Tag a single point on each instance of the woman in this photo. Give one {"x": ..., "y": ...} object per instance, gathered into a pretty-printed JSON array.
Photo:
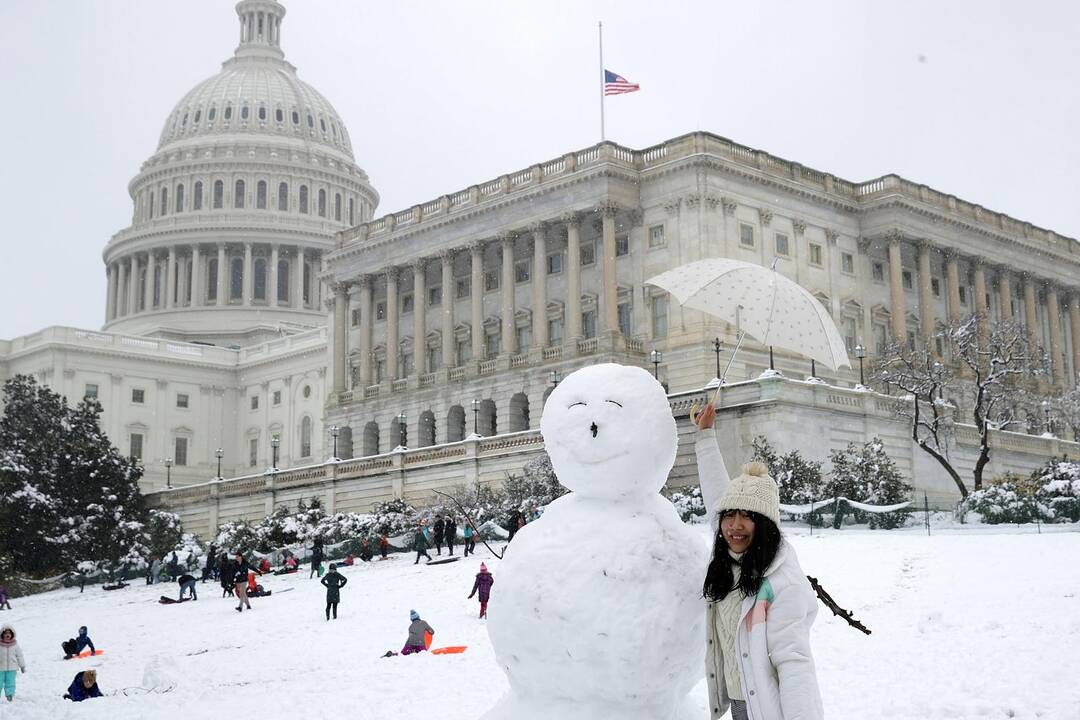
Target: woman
[
  {"x": 241, "y": 569},
  {"x": 760, "y": 604}
]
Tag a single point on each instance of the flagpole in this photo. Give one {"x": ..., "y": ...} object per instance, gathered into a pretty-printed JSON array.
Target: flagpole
[{"x": 600, "y": 28}]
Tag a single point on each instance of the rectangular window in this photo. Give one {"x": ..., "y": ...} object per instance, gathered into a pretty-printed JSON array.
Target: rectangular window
[
  {"x": 911, "y": 340},
  {"x": 963, "y": 295},
  {"x": 906, "y": 276},
  {"x": 588, "y": 323},
  {"x": 91, "y": 391},
  {"x": 815, "y": 254},
  {"x": 624, "y": 311},
  {"x": 847, "y": 263},
  {"x": 935, "y": 286},
  {"x": 782, "y": 246},
  {"x": 182, "y": 400},
  {"x": 491, "y": 280},
  {"x": 380, "y": 311},
  {"x": 850, "y": 335},
  {"x": 355, "y": 317},
  {"x": 406, "y": 303},
  {"x": 493, "y": 343},
  {"x": 521, "y": 271},
  {"x": 464, "y": 287},
  {"x": 940, "y": 345},
  {"x": 878, "y": 271},
  {"x": 276, "y": 397},
  {"x": 588, "y": 253},
  {"x": 622, "y": 245},
  {"x": 253, "y": 452},
  {"x": 464, "y": 352},
  {"x": 746, "y": 235},
  {"x": 524, "y": 338},
  {"x": 554, "y": 264},
  {"x": 135, "y": 441},
  {"x": 407, "y": 364},
  {"x": 254, "y": 402},
  {"x": 180, "y": 451},
  {"x": 380, "y": 371},
  {"x": 656, "y": 236},
  {"x": 555, "y": 331},
  {"x": 434, "y": 359},
  {"x": 881, "y": 339},
  {"x": 659, "y": 316},
  {"x": 434, "y": 296},
  {"x": 138, "y": 396}
]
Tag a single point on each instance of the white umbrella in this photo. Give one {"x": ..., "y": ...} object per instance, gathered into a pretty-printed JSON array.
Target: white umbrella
[{"x": 761, "y": 302}]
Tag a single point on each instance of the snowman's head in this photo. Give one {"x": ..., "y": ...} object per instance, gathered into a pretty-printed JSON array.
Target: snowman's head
[{"x": 609, "y": 432}]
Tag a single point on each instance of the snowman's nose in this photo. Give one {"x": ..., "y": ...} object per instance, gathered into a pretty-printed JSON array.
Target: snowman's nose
[{"x": 594, "y": 429}]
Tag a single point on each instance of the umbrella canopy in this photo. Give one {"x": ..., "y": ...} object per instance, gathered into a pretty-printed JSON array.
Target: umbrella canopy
[{"x": 761, "y": 302}]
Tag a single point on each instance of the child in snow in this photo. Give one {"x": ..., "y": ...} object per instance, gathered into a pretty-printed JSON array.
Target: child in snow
[
  {"x": 4, "y": 604},
  {"x": 11, "y": 659},
  {"x": 75, "y": 645},
  {"x": 187, "y": 582},
  {"x": 470, "y": 542},
  {"x": 482, "y": 585},
  {"x": 384, "y": 545},
  {"x": 421, "y": 544},
  {"x": 290, "y": 563},
  {"x": 333, "y": 581},
  {"x": 84, "y": 686},
  {"x": 759, "y": 599},
  {"x": 417, "y": 630}
]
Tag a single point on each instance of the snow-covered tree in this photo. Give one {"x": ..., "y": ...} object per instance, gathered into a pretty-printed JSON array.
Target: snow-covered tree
[
  {"x": 1068, "y": 408},
  {"x": 799, "y": 479},
  {"x": 1001, "y": 501},
  {"x": 865, "y": 473},
  {"x": 164, "y": 532},
  {"x": 236, "y": 536},
  {"x": 532, "y": 490},
  {"x": 1059, "y": 490},
  {"x": 688, "y": 503}
]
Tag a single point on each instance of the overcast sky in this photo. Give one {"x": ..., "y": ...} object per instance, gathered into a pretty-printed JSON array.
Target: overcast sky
[{"x": 978, "y": 99}]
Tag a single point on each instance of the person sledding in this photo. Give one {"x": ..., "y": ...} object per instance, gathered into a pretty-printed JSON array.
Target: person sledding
[
  {"x": 333, "y": 581},
  {"x": 11, "y": 660},
  {"x": 83, "y": 687},
  {"x": 74, "y": 646},
  {"x": 420, "y": 635},
  {"x": 482, "y": 585}
]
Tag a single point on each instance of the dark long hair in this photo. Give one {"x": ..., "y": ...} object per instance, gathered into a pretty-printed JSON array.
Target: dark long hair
[{"x": 720, "y": 580}]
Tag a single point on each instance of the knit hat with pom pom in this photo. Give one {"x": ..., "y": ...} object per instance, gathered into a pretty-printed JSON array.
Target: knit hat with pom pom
[{"x": 753, "y": 490}]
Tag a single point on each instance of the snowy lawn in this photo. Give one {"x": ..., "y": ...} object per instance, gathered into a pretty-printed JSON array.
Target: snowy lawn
[{"x": 965, "y": 625}]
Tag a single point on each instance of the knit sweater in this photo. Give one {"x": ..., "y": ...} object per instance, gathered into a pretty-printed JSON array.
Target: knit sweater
[{"x": 726, "y": 614}]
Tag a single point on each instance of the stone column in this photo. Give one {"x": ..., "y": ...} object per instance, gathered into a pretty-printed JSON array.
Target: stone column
[
  {"x": 392, "y": 304},
  {"x": 1030, "y": 316},
  {"x": 1074, "y": 322},
  {"x": 182, "y": 277},
  {"x": 448, "y": 296},
  {"x": 222, "y": 274},
  {"x": 926, "y": 298},
  {"x": 539, "y": 287},
  {"x": 609, "y": 302},
  {"x": 296, "y": 281},
  {"x": 1057, "y": 354},
  {"x": 573, "y": 278},
  {"x": 341, "y": 335},
  {"x": 133, "y": 285},
  {"x": 1005, "y": 296},
  {"x": 898, "y": 310},
  {"x": 366, "y": 326},
  {"x": 249, "y": 275},
  {"x": 952, "y": 271},
  {"x": 148, "y": 289},
  {"x": 196, "y": 276},
  {"x": 419, "y": 316},
  {"x": 121, "y": 294},
  {"x": 110, "y": 292},
  {"x": 509, "y": 307},
  {"x": 170, "y": 279},
  {"x": 982, "y": 309},
  {"x": 272, "y": 289},
  {"x": 476, "y": 254}
]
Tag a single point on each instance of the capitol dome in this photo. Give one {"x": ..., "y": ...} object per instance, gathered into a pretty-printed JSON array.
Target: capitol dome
[{"x": 252, "y": 177}]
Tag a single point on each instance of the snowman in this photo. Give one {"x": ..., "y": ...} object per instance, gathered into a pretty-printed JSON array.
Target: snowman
[{"x": 599, "y": 614}]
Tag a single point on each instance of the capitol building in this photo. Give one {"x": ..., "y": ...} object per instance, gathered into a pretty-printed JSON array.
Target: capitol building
[{"x": 258, "y": 308}]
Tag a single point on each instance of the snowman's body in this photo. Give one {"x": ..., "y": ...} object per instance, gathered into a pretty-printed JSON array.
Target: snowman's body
[{"x": 599, "y": 613}]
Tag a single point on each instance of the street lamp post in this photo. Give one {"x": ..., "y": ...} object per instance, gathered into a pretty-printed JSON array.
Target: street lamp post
[
  {"x": 168, "y": 472},
  {"x": 556, "y": 378},
  {"x": 860, "y": 352},
  {"x": 716, "y": 345},
  {"x": 475, "y": 415},
  {"x": 1046, "y": 415},
  {"x": 656, "y": 357},
  {"x": 220, "y": 454},
  {"x": 275, "y": 443},
  {"x": 403, "y": 436},
  {"x": 334, "y": 432}
]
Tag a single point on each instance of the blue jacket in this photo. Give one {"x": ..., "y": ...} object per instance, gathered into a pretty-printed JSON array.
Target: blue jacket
[
  {"x": 84, "y": 641},
  {"x": 79, "y": 692}
]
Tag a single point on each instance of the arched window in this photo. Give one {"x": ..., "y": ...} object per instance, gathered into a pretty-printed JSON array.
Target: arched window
[
  {"x": 322, "y": 203},
  {"x": 283, "y": 196},
  {"x": 310, "y": 121},
  {"x": 164, "y": 200},
  {"x": 279, "y": 115},
  {"x": 236, "y": 279},
  {"x": 244, "y": 112},
  {"x": 303, "y": 199},
  {"x": 260, "y": 195},
  {"x": 180, "y": 197},
  {"x": 283, "y": 280},
  {"x": 519, "y": 412},
  {"x": 322, "y": 124},
  {"x": 211, "y": 279},
  {"x": 337, "y": 206},
  {"x": 211, "y": 114},
  {"x": 196, "y": 198},
  {"x": 219, "y": 194},
  {"x": 260, "y": 278},
  {"x": 262, "y": 112},
  {"x": 305, "y": 437},
  {"x": 426, "y": 429},
  {"x": 371, "y": 439},
  {"x": 333, "y": 128},
  {"x": 238, "y": 194},
  {"x": 228, "y": 112},
  {"x": 295, "y": 118},
  {"x": 488, "y": 418},
  {"x": 183, "y": 123},
  {"x": 352, "y": 214},
  {"x": 455, "y": 424},
  {"x": 198, "y": 116}
]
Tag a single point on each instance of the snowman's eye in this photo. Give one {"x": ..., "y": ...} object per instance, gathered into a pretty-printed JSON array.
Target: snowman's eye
[
  {"x": 614, "y": 403},
  {"x": 577, "y": 403}
]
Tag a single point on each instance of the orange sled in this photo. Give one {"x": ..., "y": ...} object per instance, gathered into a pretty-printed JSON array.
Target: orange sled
[{"x": 451, "y": 650}]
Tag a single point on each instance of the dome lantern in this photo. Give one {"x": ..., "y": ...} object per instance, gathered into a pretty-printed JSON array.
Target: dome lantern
[{"x": 260, "y": 28}]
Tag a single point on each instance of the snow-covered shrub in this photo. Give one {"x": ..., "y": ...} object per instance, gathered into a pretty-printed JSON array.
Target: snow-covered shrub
[
  {"x": 865, "y": 473},
  {"x": 1000, "y": 502},
  {"x": 395, "y": 517},
  {"x": 799, "y": 479},
  {"x": 236, "y": 536},
  {"x": 164, "y": 532},
  {"x": 688, "y": 503},
  {"x": 1059, "y": 490},
  {"x": 529, "y": 492}
]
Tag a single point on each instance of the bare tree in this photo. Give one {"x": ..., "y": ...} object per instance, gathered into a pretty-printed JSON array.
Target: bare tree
[
  {"x": 1068, "y": 407},
  {"x": 1001, "y": 364}
]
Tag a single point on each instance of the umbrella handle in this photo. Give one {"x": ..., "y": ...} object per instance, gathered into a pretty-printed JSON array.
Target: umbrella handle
[{"x": 716, "y": 397}]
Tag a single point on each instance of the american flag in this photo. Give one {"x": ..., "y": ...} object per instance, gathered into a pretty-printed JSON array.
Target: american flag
[{"x": 617, "y": 84}]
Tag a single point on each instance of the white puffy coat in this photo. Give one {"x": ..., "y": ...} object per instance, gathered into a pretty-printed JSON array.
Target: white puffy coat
[
  {"x": 11, "y": 657},
  {"x": 773, "y": 635}
]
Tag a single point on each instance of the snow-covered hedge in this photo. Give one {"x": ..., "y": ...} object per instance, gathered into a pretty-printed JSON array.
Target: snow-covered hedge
[
  {"x": 1059, "y": 490},
  {"x": 688, "y": 503},
  {"x": 1050, "y": 494},
  {"x": 866, "y": 474},
  {"x": 1000, "y": 502}
]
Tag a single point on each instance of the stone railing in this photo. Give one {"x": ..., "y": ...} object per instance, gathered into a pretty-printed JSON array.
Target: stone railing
[
  {"x": 698, "y": 143},
  {"x": 227, "y": 218},
  {"x": 124, "y": 343}
]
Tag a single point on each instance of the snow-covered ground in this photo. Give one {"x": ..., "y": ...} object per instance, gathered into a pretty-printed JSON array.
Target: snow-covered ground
[{"x": 965, "y": 625}]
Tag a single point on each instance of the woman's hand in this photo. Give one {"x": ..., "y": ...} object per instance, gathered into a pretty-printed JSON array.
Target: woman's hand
[{"x": 706, "y": 416}]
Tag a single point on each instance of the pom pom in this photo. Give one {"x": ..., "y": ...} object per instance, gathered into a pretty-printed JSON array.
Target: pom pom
[{"x": 756, "y": 469}]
